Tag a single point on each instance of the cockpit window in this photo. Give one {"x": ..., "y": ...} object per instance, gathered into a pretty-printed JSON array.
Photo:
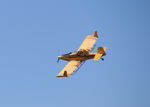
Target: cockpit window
[
  {"x": 73, "y": 53},
  {"x": 67, "y": 54}
]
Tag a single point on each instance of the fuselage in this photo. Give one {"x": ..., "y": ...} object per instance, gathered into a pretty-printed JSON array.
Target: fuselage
[{"x": 77, "y": 56}]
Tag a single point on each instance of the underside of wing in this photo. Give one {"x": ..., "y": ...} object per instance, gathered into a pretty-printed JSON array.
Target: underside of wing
[
  {"x": 69, "y": 68},
  {"x": 88, "y": 42}
]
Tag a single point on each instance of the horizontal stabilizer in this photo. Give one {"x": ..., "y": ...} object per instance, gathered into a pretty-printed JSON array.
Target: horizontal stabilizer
[
  {"x": 97, "y": 56},
  {"x": 100, "y": 53}
]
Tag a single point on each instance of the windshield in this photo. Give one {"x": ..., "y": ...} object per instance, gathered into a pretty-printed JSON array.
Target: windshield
[{"x": 67, "y": 54}]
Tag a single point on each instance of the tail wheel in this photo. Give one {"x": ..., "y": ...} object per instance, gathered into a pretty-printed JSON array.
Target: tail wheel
[{"x": 102, "y": 59}]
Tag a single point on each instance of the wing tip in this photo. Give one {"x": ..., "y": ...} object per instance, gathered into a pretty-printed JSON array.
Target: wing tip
[
  {"x": 64, "y": 74},
  {"x": 60, "y": 76},
  {"x": 95, "y": 34}
]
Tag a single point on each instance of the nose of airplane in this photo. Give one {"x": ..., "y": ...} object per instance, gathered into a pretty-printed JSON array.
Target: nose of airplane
[{"x": 59, "y": 56}]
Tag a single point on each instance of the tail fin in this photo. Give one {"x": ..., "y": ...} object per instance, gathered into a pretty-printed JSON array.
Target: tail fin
[
  {"x": 95, "y": 34},
  {"x": 100, "y": 53}
]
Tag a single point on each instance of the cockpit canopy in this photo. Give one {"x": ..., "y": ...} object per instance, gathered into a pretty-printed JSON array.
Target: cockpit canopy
[
  {"x": 79, "y": 53},
  {"x": 70, "y": 53},
  {"x": 67, "y": 54}
]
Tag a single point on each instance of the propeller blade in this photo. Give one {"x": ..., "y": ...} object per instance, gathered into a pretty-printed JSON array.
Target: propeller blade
[{"x": 58, "y": 60}]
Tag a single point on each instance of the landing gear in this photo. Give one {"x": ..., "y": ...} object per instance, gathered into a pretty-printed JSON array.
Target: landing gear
[{"x": 102, "y": 59}]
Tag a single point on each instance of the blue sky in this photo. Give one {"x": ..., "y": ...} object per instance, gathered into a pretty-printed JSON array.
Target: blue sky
[{"x": 33, "y": 33}]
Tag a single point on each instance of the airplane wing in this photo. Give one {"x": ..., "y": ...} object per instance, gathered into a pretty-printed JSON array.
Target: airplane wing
[
  {"x": 89, "y": 42},
  {"x": 69, "y": 68}
]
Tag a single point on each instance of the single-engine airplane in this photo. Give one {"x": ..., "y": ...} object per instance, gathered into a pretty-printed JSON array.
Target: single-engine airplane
[{"x": 81, "y": 55}]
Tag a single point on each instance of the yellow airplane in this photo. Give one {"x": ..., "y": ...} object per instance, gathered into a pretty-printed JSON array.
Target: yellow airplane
[{"x": 81, "y": 55}]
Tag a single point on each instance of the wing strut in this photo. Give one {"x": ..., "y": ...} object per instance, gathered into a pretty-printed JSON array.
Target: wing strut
[
  {"x": 93, "y": 48},
  {"x": 74, "y": 72}
]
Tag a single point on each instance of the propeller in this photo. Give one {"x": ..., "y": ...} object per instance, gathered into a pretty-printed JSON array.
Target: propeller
[{"x": 58, "y": 60}]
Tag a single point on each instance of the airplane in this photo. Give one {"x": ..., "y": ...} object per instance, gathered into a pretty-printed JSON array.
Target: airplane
[{"x": 75, "y": 59}]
